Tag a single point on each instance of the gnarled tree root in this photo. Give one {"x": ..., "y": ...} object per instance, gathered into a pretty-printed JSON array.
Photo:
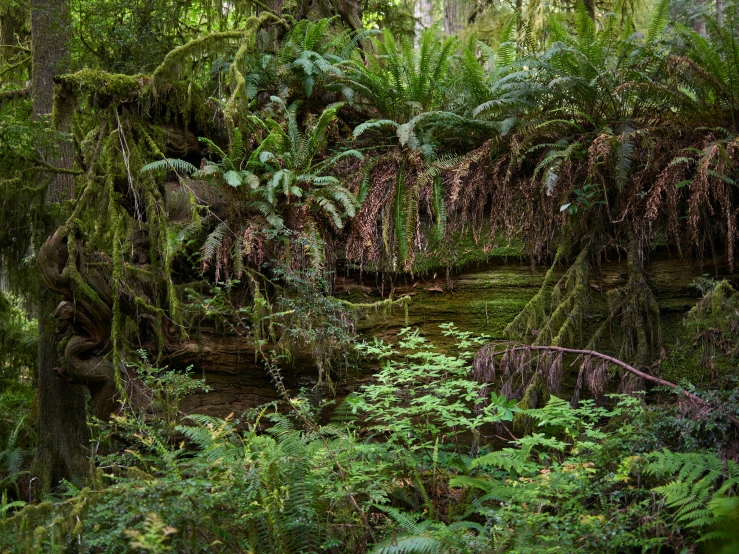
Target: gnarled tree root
[{"x": 86, "y": 311}]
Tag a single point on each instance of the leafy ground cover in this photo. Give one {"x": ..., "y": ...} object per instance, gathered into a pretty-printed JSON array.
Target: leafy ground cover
[{"x": 421, "y": 459}]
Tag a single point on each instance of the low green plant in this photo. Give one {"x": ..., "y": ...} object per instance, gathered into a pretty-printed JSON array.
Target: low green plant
[
  {"x": 167, "y": 387},
  {"x": 394, "y": 471},
  {"x": 422, "y": 398}
]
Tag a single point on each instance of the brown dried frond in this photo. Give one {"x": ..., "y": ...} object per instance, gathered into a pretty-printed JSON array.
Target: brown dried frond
[
  {"x": 458, "y": 175},
  {"x": 544, "y": 365},
  {"x": 585, "y": 367},
  {"x": 507, "y": 389},
  {"x": 667, "y": 179},
  {"x": 223, "y": 257},
  {"x": 630, "y": 383},
  {"x": 554, "y": 377},
  {"x": 483, "y": 366},
  {"x": 599, "y": 150},
  {"x": 699, "y": 189},
  {"x": 673, "y": 217},
  {"x": 505, "y": 363},
  {"x": 597, "y": 379},
  {"x": 364, "y": 243}
]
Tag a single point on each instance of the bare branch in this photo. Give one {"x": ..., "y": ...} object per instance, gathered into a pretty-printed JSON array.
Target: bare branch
[{"x": 622, "y": 365}]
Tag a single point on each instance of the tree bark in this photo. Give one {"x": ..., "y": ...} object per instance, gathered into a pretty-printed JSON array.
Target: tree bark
[
  {"x": 699, "y": 23},
  {"x": 590, "y": 7},
  {"x": 62, "y": 420},
  {"x": 720, "y": 12},
  {"x": 452, "y": 15},
  {"x": 424, "y": 16}
]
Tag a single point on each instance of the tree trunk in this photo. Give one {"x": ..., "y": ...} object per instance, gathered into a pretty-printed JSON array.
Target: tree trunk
[
  {"x": 698, "y": 23},
  {"x": 519, "y": 16},
  {"x": 720, "y": 12},
  {"x": 350, "y": 12},
  {"x": 452, "y": 17},
  {"x": 424, "y": 16},
  {"x": 590, "y": 7},
  {"x": 62, "y": 422}
]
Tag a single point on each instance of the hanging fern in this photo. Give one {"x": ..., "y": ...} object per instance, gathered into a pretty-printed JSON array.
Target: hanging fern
[
  {"x": 212, "y": 245},
  {"x": 169, "y": 164}
]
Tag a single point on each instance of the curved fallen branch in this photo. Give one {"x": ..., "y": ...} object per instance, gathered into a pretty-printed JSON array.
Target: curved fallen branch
[{"x": 618, "y": 363}]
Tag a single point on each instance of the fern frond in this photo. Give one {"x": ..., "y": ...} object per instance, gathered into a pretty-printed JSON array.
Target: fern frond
[{"x": 167, "y": 164}]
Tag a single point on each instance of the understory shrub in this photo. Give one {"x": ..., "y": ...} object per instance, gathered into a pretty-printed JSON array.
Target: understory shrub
[{"x": 421, "y": 459}]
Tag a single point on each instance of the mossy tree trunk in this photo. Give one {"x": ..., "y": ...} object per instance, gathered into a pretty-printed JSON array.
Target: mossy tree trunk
[{"x": 62, "y": 421}]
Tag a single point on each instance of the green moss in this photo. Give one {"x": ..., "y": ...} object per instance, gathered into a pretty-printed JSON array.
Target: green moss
[
  {"x": 702, "y": 344},
  {"x": 79, "y": 286},
  {"x": 370, "y": 312},
  {"x": 108, "y": 88},
  {"x": 461, "y": 250}
]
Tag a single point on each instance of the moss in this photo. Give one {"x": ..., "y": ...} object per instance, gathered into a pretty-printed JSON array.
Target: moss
[
  {"x": 79, "y": 286},
  {"x": 536, "y": 313},
  {"x": 460, "y": 251},
  {"x": 536, "y": 395},
  {"x": 107, "y": 88},
  {"x": 370, "y": 312},
  {"x": 115, "y": 282},
  {"x": 702, "y": 344}
]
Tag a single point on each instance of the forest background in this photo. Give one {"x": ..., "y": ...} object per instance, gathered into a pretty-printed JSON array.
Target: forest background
[{"x": 187, "y": 188}]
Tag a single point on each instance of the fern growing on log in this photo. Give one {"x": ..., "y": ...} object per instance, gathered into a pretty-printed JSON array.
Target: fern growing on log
[{"x": 168, "y": 164}]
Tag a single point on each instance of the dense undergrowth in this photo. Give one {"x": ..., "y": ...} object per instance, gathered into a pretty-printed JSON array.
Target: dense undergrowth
[
  {"x": 415, "y": 461},
  {"x": 279, "y": 147},
  {"x": 222, "y": 179}
]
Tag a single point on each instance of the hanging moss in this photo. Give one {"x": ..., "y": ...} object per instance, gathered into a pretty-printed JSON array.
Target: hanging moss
[
  {"x": 554, "y": 315},
  {"x": 51, "y": 523},
  {"x": 634, "y": 309},
  {"x": 101, "y": 88},
  {"x": 383, "y": 308},
  {"x": 706, "y": 348},
  {"x": 116, "y": 280}
]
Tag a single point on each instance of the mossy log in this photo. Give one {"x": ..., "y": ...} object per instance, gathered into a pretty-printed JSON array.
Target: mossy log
[{"x": 485, "y": 300}]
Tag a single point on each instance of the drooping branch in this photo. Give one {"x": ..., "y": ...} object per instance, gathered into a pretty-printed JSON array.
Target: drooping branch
[{"x": 489, "y": 352}]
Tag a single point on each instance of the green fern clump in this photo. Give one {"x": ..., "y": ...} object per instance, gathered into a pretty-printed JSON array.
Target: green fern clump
[{"x": 702, "y": 488}]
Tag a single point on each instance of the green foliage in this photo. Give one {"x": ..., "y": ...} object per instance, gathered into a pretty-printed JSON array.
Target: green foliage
[
  {"x": 426, "y": 398},
  {"x": 17, "y": 439},
  {"x": 400, "y": 82},
  {"x": 167, "y": 387},
  {"x": 170, "y": 164},
  {"x": 575, "y": 136},
  {"x": 18, "y": 342},
  {"x": 699, "y": 493},
  {"x": 395, "y": 450}
]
